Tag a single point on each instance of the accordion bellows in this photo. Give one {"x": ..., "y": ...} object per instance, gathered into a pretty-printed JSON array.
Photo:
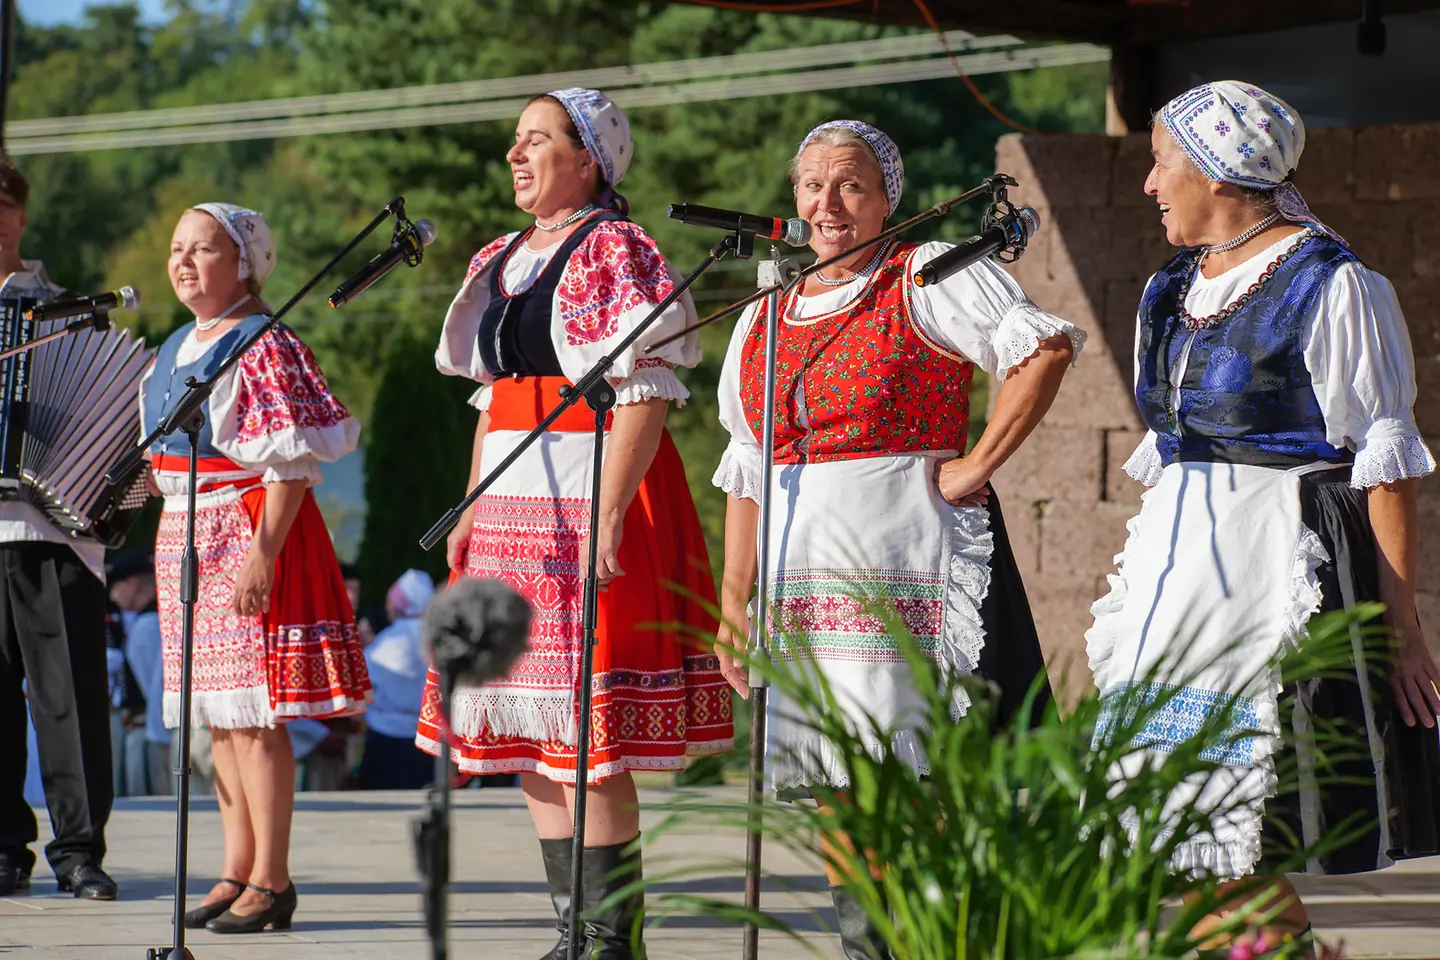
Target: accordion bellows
[{"x": 68, "y": 412}]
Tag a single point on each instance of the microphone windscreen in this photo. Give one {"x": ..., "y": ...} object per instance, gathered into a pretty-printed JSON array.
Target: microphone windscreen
[
  {"x": 426, "y": 230},
  {"x": 1029, "y": 219},
  {"x": 797, "y": 232},
  {"x": 475, "y": 630},
  {"x": 129, "y": 298}
]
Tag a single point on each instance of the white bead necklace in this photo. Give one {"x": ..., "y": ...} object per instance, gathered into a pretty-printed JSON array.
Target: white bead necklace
[
  {"x": 580, "y": 214},
  {"x": 879, "y": 252},
  {"x": 210, "y": 324},
  {"x": 1245, "y": 237}
]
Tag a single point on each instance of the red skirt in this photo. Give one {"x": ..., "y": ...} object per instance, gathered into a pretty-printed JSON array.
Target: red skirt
[
  {"x": 302, "y": 658},
  {"x": 657, "y": 693}
]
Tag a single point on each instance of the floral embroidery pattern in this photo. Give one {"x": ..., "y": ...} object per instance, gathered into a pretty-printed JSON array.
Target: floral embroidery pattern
[
  {"x": 281, "y": 388},
  {"x": 1245, "y": 150},
  {"x": 1222, "y": 128},
  {"x": 488, "y": 253},
  {"x": 616, "y": 269},
  {"x": 868, "y": 383}
]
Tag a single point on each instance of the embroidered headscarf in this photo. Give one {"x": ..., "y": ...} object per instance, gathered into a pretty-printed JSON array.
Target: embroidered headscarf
[
  {"x": 880, "y": 144},
  {"x": 605, "y": 130},
  {"x": 1237, "y": 133},
  {"x": 411, "y": 594},
  {"x": 251, "y": 234}
]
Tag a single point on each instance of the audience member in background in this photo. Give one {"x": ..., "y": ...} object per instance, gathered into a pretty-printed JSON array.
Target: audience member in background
[
  {"x": 147, "y": 758},
  {"x": 368, "y": 623},
  {"x": 126, "y": 701},
  {"x": 397, "y": 672}
]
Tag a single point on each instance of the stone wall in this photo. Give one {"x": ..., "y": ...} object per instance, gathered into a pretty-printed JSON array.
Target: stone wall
[{"x": 1066, "y": 498}]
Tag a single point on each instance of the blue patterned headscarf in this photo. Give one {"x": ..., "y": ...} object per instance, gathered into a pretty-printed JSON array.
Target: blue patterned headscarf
[
  {"x": 1238, "y": 134},
  {"x": 892, "y": 168},
  {"x": 603, "y": 126}
]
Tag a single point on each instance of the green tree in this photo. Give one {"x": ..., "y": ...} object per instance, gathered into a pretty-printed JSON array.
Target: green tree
[{"x": 409, "y": 482}]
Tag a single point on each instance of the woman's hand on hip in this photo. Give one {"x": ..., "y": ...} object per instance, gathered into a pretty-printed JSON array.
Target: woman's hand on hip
[
  {"x": 1415, "y": 680},
  {"x": 253, "y": 583},
  {"x": 962, "y": 482},
  {"x": 607, "y": 550},
  {"x": 731, "y": 641}
]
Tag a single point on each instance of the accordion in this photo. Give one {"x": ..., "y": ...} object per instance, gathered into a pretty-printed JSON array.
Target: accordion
[{"x": 68, "y": 412}]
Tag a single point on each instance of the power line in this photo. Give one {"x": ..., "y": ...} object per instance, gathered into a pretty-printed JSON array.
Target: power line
[
  {"x": 727, "y": 88},
  {"x": 607, "y": 78}
]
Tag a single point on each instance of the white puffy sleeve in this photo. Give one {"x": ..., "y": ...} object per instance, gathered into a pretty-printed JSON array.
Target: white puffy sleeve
[
  {"x": 1144, "y": 464},
  {"x": 1362, "y": 368},
  {"x": 274, "y": 412},
  {"x": 611, "y": 282},
  {"x": 457, "y": 356},
  {"x": 739, "y": 471},
  {"x": 982, "y": 314}
]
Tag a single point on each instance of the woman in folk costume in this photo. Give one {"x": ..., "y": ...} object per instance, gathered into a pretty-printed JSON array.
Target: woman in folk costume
[
  {"x": 537, "y": 309},
  {"x": 1275, "y": 374},
  {"x": 274, "y": 634},
  {"x": 872, "y": 405}
]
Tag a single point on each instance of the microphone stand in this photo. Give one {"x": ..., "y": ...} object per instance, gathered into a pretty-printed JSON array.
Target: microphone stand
[
  {"x": 432, "y": 831},
  {"x": 596, "y": 391},
  {"x": 188, "y": 417}
]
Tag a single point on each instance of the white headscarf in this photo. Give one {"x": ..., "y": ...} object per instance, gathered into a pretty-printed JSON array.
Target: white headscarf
[
  {"x": 887, "y": 154},
  {"x": 411, "y": 594},
  {"x": 251, "y": 234},
  {"x": 604, "y": 128},
  {"x": 1237, "y": 133}
]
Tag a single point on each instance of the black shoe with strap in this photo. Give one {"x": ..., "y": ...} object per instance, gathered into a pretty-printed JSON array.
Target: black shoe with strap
[
  {"x": 13, "y": 877},
  {"x": 88, "y": 882},
  {"x": 276, "y": 916},
  {"x": 203, "y": 914}
]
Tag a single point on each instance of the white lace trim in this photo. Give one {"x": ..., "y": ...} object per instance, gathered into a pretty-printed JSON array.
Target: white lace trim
[
  {"x": 597, "y": 772},
  {"x": 480, "y": 399},
  {"x": 1022, "y": 329},
  {"x": 651, "y": 383},
  {"x": 1103, "y": 635},
  {"x": 963, "y": 634},
  {"x": 1145, "y": 464},
  {"x": 738, "y": 473},
  {"x": 306, "y": 468},
  {"x": 1396, "y": 457},
  {"x": 809, "y": 760}
]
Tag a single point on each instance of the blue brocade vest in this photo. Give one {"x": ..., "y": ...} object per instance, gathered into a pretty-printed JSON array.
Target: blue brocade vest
[
  {"x": 167, "y": 384},
  {"x": 1245, "y": 392}
]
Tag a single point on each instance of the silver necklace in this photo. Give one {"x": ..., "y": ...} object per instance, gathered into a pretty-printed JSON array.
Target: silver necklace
[
  {"x": 1247, "y": 236},
  {"x": 210, "y": 324},
  {"x": 858, "y": 273},
  {"x": 584, "y": 211}
]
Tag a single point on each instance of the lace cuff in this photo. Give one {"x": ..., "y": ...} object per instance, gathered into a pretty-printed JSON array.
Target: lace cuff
[
  {"x": 651, "y": 383},
  {"x": 739, "y": 472},
  {"x": 1020, "y": 333},
  {"x": 480, "y": 399},
  {"x": 1145, "y": 464},
  {"x": 305, "y": 468},
  {"x": 1392, "y": 450}
]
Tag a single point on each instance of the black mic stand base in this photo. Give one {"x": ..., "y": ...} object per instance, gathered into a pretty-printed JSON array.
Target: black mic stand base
[{"x": 189, "y": 595}]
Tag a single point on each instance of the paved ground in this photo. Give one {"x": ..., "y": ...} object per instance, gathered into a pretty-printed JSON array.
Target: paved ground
[{"x": 359, "y": 897}]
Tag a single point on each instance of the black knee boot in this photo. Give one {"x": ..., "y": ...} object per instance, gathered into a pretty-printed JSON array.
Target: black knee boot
[
  {"x": 858, "y": 937},
  {"x": 610, "y": 929},
  {"x": 556, "y": 854}
]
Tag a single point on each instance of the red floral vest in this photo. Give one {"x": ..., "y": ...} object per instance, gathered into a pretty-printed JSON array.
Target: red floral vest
[{"x": 873, "y": 385}]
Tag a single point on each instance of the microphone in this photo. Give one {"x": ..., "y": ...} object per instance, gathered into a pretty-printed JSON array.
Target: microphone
[
  {"x": 795, "y": 232},
  {"x": 475, "y": 630},
  {"x": 126, "y": 298},
  {"x": 406, "y": 247},
  {"x": 1010, "y": 231}
]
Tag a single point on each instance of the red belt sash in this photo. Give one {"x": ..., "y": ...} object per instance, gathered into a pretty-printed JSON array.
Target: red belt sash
[{"x": 520, "y": 403}]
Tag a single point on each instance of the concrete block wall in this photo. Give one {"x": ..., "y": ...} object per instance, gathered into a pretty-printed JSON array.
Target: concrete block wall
[{"x": 1065, "y": 496}]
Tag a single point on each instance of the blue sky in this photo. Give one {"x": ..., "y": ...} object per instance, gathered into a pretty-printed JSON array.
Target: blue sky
[{"x": 51, "y": 12}]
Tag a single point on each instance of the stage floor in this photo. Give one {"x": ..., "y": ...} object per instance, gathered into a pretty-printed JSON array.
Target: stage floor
[{"x": 355, "y": 873}]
